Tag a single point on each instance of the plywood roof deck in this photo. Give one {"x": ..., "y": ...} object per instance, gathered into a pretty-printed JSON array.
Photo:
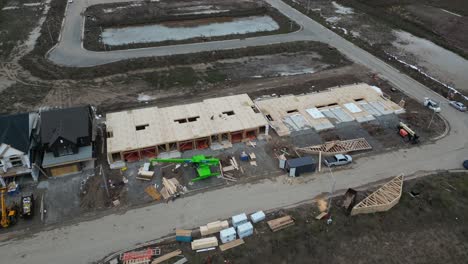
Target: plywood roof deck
[
  {"x": 162, "y": 127},
  {"x": 333, "y": 98}
]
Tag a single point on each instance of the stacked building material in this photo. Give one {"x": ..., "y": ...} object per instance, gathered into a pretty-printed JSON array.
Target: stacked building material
[
  {"x": 204, "y": 243},
  {"x": 167, "y": 256},
  {"x": 231, "y": 244},
  {"x": 239, "y": 219},
  {"x": 183, "y": 235},
  {"x": 257, "y": 217},
  {"x": 227, "y": 235},
  {"x": 213, "y": 227},
  {"x": 245, "y": 230},
  {"x": 280, "y": 223}
]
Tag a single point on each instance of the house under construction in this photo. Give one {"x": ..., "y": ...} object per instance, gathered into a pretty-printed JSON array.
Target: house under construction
[
  {"x": 322, "y": 110},
  {"x": 148, "y": 132}
]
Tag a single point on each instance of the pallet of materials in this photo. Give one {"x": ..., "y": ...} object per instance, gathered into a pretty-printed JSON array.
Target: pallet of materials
[
  {"x": 280, "y": 223},
  {"x": 153, "y": 192},
  {"x": 183, "y": 235},
  {"x": 231, "y": 244},
  {"x": 213, "y": 227},
  {"x": 204, "y": 243}
]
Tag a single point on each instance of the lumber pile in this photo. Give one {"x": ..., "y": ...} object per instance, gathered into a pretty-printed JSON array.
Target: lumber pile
[
  {"x": 280, "y": 223},
  {"x": 171, "y": 188},
  {"x": 151, "y": 191},
  {"x": 213, "y": 227},
  {"x": 204, "y": 243},
  {"x": 231, "y": 244},
  {"x": 338, "y": 147},
  {"x": 144, "y": 173},
  {"x": 167, "y": 256}
]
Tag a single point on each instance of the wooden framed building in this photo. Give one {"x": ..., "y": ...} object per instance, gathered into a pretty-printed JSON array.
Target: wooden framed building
[{"x": 147, "y": 132}]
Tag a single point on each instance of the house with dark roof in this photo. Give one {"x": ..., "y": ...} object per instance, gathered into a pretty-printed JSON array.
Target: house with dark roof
[
  {"x": 67, "y": 140},
  {"x": 18, "y": 139}
]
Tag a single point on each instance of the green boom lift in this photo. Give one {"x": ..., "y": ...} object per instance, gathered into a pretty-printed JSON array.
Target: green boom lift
[{"x": 202, "y": 164}]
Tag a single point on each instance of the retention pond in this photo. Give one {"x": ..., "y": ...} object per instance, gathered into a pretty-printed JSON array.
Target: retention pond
[{"x": 182, "y": 30}]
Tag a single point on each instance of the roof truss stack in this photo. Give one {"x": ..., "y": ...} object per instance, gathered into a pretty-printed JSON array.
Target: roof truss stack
[
  {"x": 338, "y": 146},
  {"x": 383, "y": 199}
]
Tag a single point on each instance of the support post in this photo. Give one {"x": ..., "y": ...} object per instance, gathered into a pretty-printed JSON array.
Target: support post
[{"x": 320, "y": 161}]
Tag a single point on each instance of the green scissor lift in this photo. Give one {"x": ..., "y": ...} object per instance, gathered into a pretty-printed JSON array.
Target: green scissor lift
[{"x": 204, "y": 165}]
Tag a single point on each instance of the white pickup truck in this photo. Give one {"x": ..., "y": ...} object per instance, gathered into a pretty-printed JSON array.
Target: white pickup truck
[{"x": 337, "y": 160}]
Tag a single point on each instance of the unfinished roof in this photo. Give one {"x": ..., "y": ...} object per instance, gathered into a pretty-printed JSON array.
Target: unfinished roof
[
  {"x": 320, "y": 111},
  {"x": 148, "y": 127}
]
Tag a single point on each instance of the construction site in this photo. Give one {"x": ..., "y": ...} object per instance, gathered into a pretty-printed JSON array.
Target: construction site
[{"x": 200, "y": 131}]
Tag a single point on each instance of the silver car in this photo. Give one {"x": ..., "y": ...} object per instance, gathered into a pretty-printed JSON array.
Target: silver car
[{"x": 458, "y": 105}]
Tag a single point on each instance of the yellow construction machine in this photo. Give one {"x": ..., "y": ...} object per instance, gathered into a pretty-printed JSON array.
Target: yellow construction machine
[{"x": 9, "y": 215}]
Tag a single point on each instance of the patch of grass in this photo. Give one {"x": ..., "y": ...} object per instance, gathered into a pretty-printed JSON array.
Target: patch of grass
[
  {"x": 180, "y": 76},
  {"x": 214, "y": 76},
  {"x": 15, "y": 26},
  {"x": 19, "y": 97}
]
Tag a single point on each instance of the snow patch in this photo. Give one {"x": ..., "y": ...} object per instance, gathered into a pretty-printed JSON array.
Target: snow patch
[
  {"x": 110, "y": 10},
  {"x": 332, "y": 19},
  {"x": 10, "y": 8},
  {"x": 291, "y": 73},
  {"x": 343, "y": 10},
  {"x": 377, "y": 89},
  {"x": 145, "y": 97},
  {"x": 455, "y": 91}
]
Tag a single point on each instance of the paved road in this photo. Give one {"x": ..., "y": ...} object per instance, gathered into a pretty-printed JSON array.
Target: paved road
[
  {"x": 70, "y": 52},
  {"x": 89, "y": 241}
]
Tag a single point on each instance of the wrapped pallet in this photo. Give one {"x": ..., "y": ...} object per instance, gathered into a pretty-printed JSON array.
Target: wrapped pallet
[
  {"x": 257, "y": 217},
  {"x": 183, "y": 235},
  {"x": 245, "y": 230},
  {"x": 204, "y": 243},
  {"x": 213, "y": 227},
  {"x": 227, "y": 235},
  {"x": 239, "y": 219}
]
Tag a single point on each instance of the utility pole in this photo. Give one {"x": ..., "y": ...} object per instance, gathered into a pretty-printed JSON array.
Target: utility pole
[
  {"x": 290, "y": 25},
  {"x": 329, "y": 220},
  {"x": 105, "y": 181},
  {"x": 308, "y": 6}
]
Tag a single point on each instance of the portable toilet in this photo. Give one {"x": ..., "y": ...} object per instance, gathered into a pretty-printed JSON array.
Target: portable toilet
[
  {"x": 257, "y": 217},
  {"x": 239, "y": 219},
  {"x": 228, "y": 234},
  {"x": 296, "y": 167},
  {"x": 245, "y": 230}
]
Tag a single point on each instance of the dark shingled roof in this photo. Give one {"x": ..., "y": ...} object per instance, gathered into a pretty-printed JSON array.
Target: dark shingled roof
[
  {"x": 14, "y": 131},
  {"x": 69, "y": 123}
]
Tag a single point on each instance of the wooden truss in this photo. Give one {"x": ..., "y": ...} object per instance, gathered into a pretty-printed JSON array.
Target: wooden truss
[
  {"x": 338, "y": 147},
  {"x": 381, "y": 200}
]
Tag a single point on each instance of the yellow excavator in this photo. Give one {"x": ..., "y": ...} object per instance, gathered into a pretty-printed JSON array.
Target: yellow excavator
[{"x": 9, "y": 215}]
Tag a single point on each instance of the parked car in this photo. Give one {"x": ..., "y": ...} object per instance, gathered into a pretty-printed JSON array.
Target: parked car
[
  {"x": 431, "y": 104},
  {"x": 465, "y": 164},
  {"x": 458, "y": 105},
  {"x": 337, "y": 160}
]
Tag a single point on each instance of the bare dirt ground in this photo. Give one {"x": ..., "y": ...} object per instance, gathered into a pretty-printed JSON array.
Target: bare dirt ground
[
  {"x": 387, "y": 37},
  {"x": 173, "y": 14},
  {"x": 428, "y": 228}
]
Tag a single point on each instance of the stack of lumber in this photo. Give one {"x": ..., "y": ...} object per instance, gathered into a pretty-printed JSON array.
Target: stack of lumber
[
  {"x": 280, "y": 223},
  {"x": 153, "y": 192},
  {"x": 231, "y": 244},
  {"x": 183, "y": 235},
  {"x": 213, "y": 227},
  {"x": 204, "y": 243},
  {"x": 144, "y": 173},
  {"x": 167, "y": 256},
  {"x": 171, "y": 188}
]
